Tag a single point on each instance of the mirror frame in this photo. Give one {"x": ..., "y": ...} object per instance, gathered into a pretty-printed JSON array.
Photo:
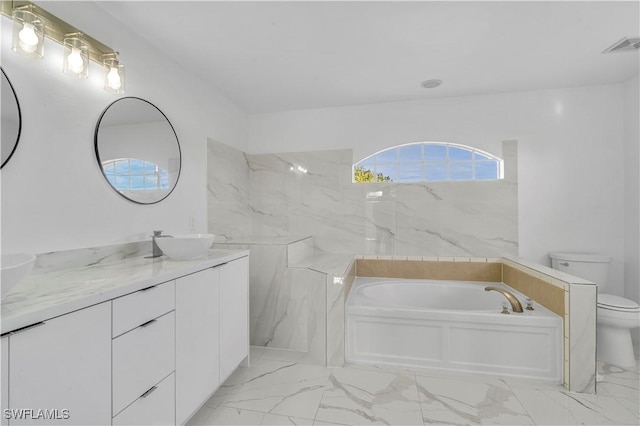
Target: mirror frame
[
  {"x": 15, "y": 95},
  {"x": 95, "y": 138}
]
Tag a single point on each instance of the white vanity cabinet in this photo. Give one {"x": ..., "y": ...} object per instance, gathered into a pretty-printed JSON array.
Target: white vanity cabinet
[
  {"x": 197, "y": 340},
  {"x": 152, "y": 356},
  {"x": 143, "y": 356},
  {"x": 234, "y": 315},
  {"x": 62, "y": 366}
]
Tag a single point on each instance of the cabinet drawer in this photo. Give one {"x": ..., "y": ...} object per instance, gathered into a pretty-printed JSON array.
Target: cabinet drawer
[
  {"x": 157, "y": 407},
  {"x": 141, "y": 358},
  {"x": 137, "y": 308}
]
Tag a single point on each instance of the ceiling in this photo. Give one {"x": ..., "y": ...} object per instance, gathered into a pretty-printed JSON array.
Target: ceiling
[{"x": 274, "y": 56}]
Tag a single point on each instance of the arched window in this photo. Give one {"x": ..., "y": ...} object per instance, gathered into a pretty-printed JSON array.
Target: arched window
[
  {"x": 428, "y": 162},
  {"x": 132, "y": 174}
]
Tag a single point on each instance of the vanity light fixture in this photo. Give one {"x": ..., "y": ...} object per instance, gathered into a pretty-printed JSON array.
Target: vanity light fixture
[
  {"x": 76, "y": 56},
  {"x": 28, "y": 32},
  {"x": 113, "y": 73},
  {"x": 31, "y": 23}
]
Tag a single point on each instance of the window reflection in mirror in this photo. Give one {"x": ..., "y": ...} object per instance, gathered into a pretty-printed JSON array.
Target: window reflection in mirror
[{"x": 138, "y": 150}]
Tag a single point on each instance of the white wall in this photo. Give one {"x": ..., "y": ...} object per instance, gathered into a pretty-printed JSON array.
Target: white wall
[
  {"x": 569, "y": 149},
  {"x": 54, "y": 196},
  {"x": 632, "y": 188}
]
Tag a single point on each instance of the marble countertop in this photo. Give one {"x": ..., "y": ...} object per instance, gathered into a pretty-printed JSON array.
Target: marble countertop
[
  {"x": 44, "y": 296},
  {"x": 259, "y": 240}
]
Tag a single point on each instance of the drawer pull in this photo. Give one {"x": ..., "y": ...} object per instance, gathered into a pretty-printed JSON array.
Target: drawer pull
[
  {"x": 29, "y": 327},
  {"x": 148, "y": 323},
  {"x": 149, "y": 392},
  {"x": 149, "y": 288}
]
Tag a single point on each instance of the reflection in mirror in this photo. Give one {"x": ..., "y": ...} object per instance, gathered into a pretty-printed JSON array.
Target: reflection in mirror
[
  {"x": 11, "y": 119},
  {"x": 138, "y": 150}
]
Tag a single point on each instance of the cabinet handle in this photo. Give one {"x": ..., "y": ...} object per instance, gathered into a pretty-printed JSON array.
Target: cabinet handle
[
  {"x": 29, "y": 327},
  {"x": 564, "y": 263},
  {"x": 149, "y": 392},
  {"x": 148, "y": 288},
  {"x": 148, "y": 323}
]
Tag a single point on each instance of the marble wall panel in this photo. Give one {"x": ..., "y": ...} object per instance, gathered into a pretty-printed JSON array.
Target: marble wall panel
[
  {"x": 582, "y": 338},
  {"x": 311, "y": 193},
  {"x": 228, "y": 191},
  {"x": 335, "y": 320}
]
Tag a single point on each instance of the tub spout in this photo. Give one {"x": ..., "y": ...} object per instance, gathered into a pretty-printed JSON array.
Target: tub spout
[{"x": 516, "y": 306}]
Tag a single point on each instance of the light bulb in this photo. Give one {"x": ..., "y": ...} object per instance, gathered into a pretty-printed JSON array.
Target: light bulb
[
  {"x": 28, "y": 38},
  {"x": 113, "y": 79},
  {"x": 75, "y": 61}
]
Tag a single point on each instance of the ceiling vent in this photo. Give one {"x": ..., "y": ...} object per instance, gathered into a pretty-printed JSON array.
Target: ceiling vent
[{"x": 625, "y": 45}]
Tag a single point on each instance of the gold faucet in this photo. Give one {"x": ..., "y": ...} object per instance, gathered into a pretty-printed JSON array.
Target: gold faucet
[{"x": 516, "y": 306}]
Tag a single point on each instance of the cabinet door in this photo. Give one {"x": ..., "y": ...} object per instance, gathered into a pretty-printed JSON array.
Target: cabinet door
[
  {"x": 197, "y": 340},
  {"x": 4, "y": 358},
  {"x": 63, "y": 367},
  {"x": 234, "y": 315}
]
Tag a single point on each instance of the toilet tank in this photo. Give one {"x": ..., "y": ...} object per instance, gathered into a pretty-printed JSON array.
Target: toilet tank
[{"x": 589, "y": 266}]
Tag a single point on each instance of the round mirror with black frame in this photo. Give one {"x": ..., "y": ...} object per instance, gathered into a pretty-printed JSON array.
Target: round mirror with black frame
[
  {"x": 138, "y": 150},
  {"x": 11, "y": 120}
]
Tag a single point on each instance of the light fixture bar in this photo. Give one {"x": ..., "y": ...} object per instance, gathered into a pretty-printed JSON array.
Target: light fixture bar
[{"x": 56, "y": 29}]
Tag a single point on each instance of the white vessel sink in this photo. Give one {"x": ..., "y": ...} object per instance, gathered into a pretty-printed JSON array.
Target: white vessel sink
[
  {"x": 15, "y": 266},
  {"x": 186, "y": 247}
]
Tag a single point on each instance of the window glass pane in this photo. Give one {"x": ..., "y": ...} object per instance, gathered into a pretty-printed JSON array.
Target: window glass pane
[
  {"x": 108, "y": 168},
  {"x": 137, "y": 182},
  {"x": 486, "y": 170},
  {"x": 461, "y": 170},
  {"x": 411, "y": 153},
  {"x": 164, "y": 180},
  {"x": 111, "y": 179},
  {"x": 388, "y": 156},
  {"x": 149, "y": 167},
  {"x": 122, "y": 182},
  {"x": 410, "y": 173},
  {"x": 390, "y": 170},
  {"x": 459, "y": 154},
  {"x": 435, "y": 171},
  {"x": 435, "y": 152},
  {"x": 479, "y": 156},
  {"x": 136, "y": 166},
  {"x": 122, "y": 167},
  {"x": 151, "y": 181},
  {"x": 367, "y": 164}
]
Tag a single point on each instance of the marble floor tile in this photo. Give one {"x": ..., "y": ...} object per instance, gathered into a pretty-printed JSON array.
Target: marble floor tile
[
  {"x": 272, "y": 392},
  {"x": 275, "y": 354},
  {"x": 208, "y": 416},
  {"x": 619, "y": 382},
  {"x": 360, "y": 396},
  {"x": 568, "y": 408},
  {"x": 276, "y": 387},
  {"x": 276, "y": 420},
  {"x": 455, "y": 400},
  {"x": 256, "y": 352}
]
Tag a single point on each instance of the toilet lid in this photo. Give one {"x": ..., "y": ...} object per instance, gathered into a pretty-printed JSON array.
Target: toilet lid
[{"x": 616, "y": 302}]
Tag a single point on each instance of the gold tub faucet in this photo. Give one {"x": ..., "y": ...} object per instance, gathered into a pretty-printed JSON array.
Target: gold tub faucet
[{"x": 516, "y": 306}]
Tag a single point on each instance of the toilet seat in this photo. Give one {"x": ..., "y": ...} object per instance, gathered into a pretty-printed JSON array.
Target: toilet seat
[{"x": 617, "y": 303}]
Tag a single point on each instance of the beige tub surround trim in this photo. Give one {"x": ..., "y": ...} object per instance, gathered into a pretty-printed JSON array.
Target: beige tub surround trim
[{"x": 430, "y": 270}]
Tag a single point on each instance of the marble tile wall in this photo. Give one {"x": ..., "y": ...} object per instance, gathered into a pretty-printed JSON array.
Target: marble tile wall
[
  {"x": 228, "y": 192},
  {"x": 311, "y": 193}
]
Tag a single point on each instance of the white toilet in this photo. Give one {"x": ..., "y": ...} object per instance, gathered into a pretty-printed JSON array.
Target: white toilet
[{"x": 616, "y": 316}]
